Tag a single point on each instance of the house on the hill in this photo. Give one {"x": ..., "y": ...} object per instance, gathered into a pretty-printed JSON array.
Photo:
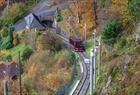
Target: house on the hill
[
  {"x": 31, "y": 21},
  {"x": 10, "y": 70}
]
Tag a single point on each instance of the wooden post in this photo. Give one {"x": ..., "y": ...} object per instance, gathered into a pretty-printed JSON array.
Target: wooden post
[
  {"x": 99, "y": 58},
  {"x": 20, "y": 89}
]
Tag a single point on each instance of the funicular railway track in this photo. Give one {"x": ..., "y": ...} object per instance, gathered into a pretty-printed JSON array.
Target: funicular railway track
[
  {"x": 83, "y": 84},
  {"x": 82, "y": 80}
]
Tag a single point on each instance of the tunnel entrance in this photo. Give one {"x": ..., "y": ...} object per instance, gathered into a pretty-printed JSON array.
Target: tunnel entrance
[{"x": 47, "y": 23}]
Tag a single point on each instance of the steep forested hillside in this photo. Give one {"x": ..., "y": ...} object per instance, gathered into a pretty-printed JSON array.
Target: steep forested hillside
[
  {"x": 49, "y": 67},
  {"x": 118, "y": 27}
]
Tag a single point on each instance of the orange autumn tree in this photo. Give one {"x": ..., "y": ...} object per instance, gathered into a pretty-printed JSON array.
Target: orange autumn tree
[
  {"x": 83, "y": 14},
  {"x": 47, "y": 72},
  {"x": 2, "y": 2}
]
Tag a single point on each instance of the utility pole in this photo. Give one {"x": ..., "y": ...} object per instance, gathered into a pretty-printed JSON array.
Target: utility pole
[
  {"x": 99, "y": 58},
  {"x": 93, "y": 65},
  {"x": 5, "y": 87},
  {"x": 94, "y": 69},
  {"x": 20, "y": 89},
  {"x": 91, "y": 72}
]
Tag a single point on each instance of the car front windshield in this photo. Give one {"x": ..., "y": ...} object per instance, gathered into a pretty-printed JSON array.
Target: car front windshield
[{"x": 79, "y": 44}]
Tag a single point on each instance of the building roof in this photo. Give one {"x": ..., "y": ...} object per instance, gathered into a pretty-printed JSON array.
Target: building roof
[
  {"x": 32, "y": 21},
  {"x": 9, "y": 69}
]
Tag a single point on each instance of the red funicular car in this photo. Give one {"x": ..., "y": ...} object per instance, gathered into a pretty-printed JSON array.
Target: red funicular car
[{"x": 76, "y": 44}]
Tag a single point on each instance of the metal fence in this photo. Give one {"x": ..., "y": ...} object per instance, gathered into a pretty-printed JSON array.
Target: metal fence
[{"x": 66, "y": 88}]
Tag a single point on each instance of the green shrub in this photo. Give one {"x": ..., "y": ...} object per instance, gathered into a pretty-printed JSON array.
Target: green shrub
[
  {"x": 10, "y": 30},
  {"x": 6, "y": 43},
  {"x": 6, "y": 58},
  {"x": 58, "y": 18},
  {"x": 111, "y": 32},
  {"x": 26, "y": 54}
]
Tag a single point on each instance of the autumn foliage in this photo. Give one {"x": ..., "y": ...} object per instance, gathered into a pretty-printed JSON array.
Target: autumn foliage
[
  {"x": 48, "y": 71},
  {"x": 83, "y": 10}
]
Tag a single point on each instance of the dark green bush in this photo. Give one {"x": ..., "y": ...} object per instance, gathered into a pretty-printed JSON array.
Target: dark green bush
[
  {"x": 58, "y": 18},
  {"x": 7, "y": 43},
  {"x": 111, "y": 32},
  {"x": 26, "y": 54}
]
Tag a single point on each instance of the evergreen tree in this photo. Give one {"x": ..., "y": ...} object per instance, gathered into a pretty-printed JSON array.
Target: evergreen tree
[{"x": 111, "y": 32}]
